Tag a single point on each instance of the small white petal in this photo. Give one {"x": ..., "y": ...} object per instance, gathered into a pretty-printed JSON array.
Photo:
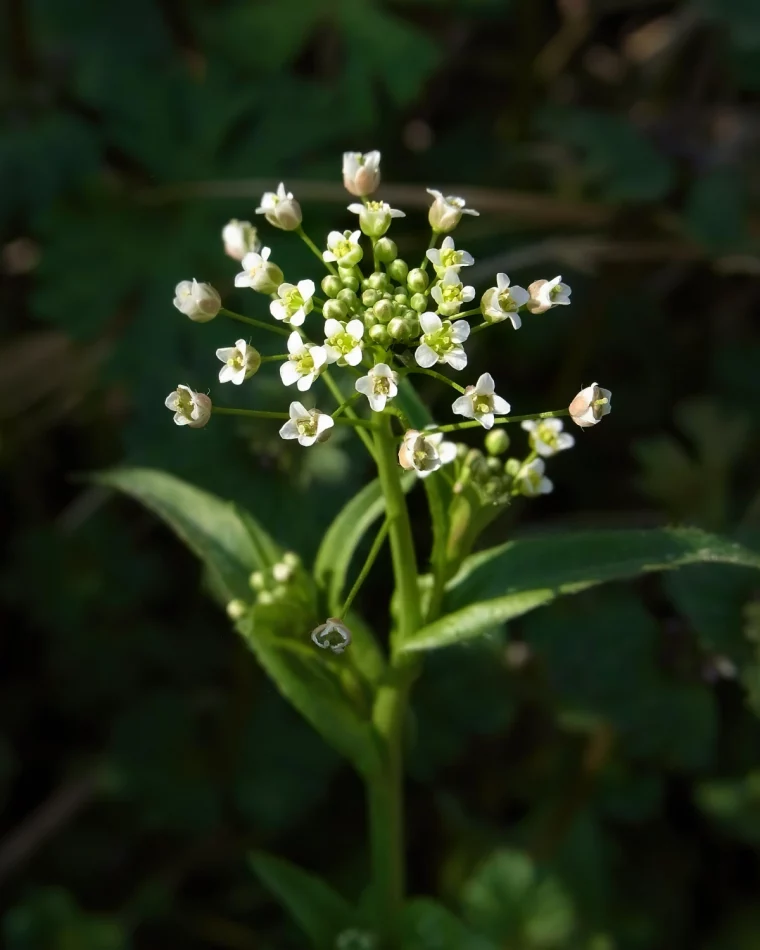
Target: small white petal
[
  {"x": 486, "y": 420},
  {"x": 305, "y": 382},
  {"x": 289, "y": 430},
  {"x": 332, "y": 326},
  {"x": 355, "y": 328},
  {"x": 298, "y": 318},
  {"x": 460, "y": 331},
  {"x": 456, "y": 358},
  {"x": 485, "y": 385},
  {"x": 463, "y": 407},
  {"x": 430, "y": 322},
  {"x": 516, "y": 320},
  {"x": 288, "y": 373},
  {"x": 425, "y": 357},
  {"x": 363, "y": 385},
  {"x": 227, "y": 374},
  {"x": 354, "y": 357},
  {"x": 225, "y": 352},
  {"x": 501, "y": 406}
]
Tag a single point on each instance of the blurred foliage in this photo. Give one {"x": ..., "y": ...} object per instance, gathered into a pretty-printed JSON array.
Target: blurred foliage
[{"x": 583, "y": 780}]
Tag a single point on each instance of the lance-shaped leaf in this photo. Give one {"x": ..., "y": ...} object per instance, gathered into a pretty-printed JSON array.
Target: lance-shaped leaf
[
  {"x": 318, "y": 910},
  {"x": 507, "y": 581},
  {"x": 228, "y": 540}
]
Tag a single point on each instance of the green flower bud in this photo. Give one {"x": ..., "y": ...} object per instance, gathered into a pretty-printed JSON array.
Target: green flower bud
[
  {"x": 349, "y": 298},
  {"x": 494, "y": 465},
  {"x": 334, "y": 310},
  {"x": 417, "y": 280},
  {"x": 512, "y": 467},
  {"x": 397, "y": 328},
  {"x": 383, "y": 310},
  {"x": 378, "y": 281},
  {"x": 346, "y": 274},
  {"x": 386, "y": 250},
  {"x": 402, "y": 298},
  {"x": 332, "y": 285},
  {"x": 398, "y": 270},
  {"x": 497, "y": 442},
  {"x": 236, "y": 609},
  {"x": 419, "y": 303},
  {"x": 380, "y": 335},
  {"x": 369, "y": 319},
  {"x": 351, "y": 283},
  {"x": 370, "y": 298}
]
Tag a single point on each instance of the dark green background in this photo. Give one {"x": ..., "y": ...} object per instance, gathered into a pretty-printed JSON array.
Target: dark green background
[{"x": 617, "y": 143}]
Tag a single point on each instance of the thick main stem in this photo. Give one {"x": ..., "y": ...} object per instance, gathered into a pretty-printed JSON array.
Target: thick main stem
[{"x": 385, "y": 789}]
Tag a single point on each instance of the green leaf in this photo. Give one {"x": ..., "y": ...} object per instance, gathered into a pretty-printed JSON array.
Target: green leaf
[
  {"x": 319, "y": 910},
  {"x": 427, "y": 925},
  {"x": 321, "y": 687},
  {"x": 228, "y": 540},
  {"x": 505, "y": 582}
]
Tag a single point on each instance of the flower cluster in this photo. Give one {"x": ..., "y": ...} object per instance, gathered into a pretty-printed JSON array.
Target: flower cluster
[{"x": 380, "y": 321}]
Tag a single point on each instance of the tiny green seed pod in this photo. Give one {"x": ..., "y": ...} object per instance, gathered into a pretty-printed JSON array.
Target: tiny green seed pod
[
  {"x": 383, "y": 310},
  {"x": 419, "y": 302},
  {"x": 349, "y": 298},
  {"x": 398, "y": 270},
  {"x": 370, "y": 298},
  {"x": 377, "y": 281},
  {"x": 334, "y": 310},
  {"x": 380, "y": 335},
  {"x": 386, "y": 250},
  {"x": 332, "y": 285},
  {"x": 417, "y": 280},
  {"x": 497, "y": 442}
]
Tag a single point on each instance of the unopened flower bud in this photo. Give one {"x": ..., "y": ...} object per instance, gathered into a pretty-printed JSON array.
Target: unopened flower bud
[
  {"x": 418, "y": 302},
  {"x": 417, "y": 280},
  {"x": 236, "y": 609},
  {"x": 401, "y": 298},
  {"x": 361, "y": 173},
  {"x": 265, "y": 598},
  {"x": 335, "y": 310},
  {"x": 259, "y": 273},
  {"x": 371, "y": 297},
  {"x": 379, "y": 334},
  {"x": 332, "y": 635},
  {"x": 256, "y": 580},
  {"x": 200, "y": 302},
  {"x": 398, "y": 270},
  {"x": 378, "y": 281},
  {"x": 349, "y": 299},
  {"x": 383, "y": 310},
  {"x": 386, "y": 250},
  {"x": 291, "y": 559},
  {"x": 331, "y": 285},
  {"x": 397, "y": 328},
  {"x": 348, "y": 276},
  {"x": 590, "y": 405},
  {"x": 281, "y": 209},
  {"x": 240, "y": 238},
  {"x": 375, "y": 217},
  {"x": 497, "y": 442},
  {"x": 282, "y": 572}
]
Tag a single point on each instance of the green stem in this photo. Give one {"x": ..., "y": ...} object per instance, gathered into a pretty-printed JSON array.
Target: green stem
[
  {"x": 314, "y": 249},
  {"x": 254, "y": 323},
  {"x": 371, "y": 558},
  {"x": 431, "y": 245},
  {"x": 467, "y": 313},
  {"x": 345, "y": 405},
  {"x": 479, "y": 327},
  {"x": 277, "y": 356},
  {"x": 264, "y": 414},
  {"x": 338, "y": 396},
  {"x": 385, "y": 789},
  {"x": 439, "y": 376},
  {"x": 502, "y": 420}
]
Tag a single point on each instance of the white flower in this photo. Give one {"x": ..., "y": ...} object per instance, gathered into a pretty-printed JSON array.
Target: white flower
[
  {"x": 379, "y": 385},
  {"x": 294, "y": 303},
  {"x": 375, "y": 216},
  {"x": 343, "y": 247},
  {"x": 241, "y": 361},
  {"x": 282, "y": 572},
  {"x": 545, "y": 294},
  {"x": 361, "y": 173},
  {"x": 240, "y": 238},
  {"x": 332, "y": 635},
  {"x": 450, "y": 294},
  {"x": 281, "y": 209},
  {"x": 502, "y": 302},
  {"x": 306, "y": 426},
  {"x": 446, "y": 257},
  {"x": 200, "y": 302},
  {"x": 304, "y": 363},
  {"x": 441, "y": 342},
  {"x": 546, "y": 436},
  {"x": 590, "y": 405},
  {"x": 259, "y": 273},
  {"x": 425, "y": 453},
  {"x": 189, "y": 407},
  {"x": 446, "y": 212},
  {"x": 343, "y": 341},
  {"x": 531, "y": 481},
  {"x": 481, "y": 402}
]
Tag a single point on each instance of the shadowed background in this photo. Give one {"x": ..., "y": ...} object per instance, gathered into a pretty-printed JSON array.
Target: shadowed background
[{"x": 610, "y": 739}]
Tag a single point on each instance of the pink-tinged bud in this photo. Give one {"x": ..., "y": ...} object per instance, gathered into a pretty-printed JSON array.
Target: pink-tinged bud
[
  {"x": 361, "y": 173},
  {"x": 199, "y": 302},
  {"x": 590, "y": 405}
]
